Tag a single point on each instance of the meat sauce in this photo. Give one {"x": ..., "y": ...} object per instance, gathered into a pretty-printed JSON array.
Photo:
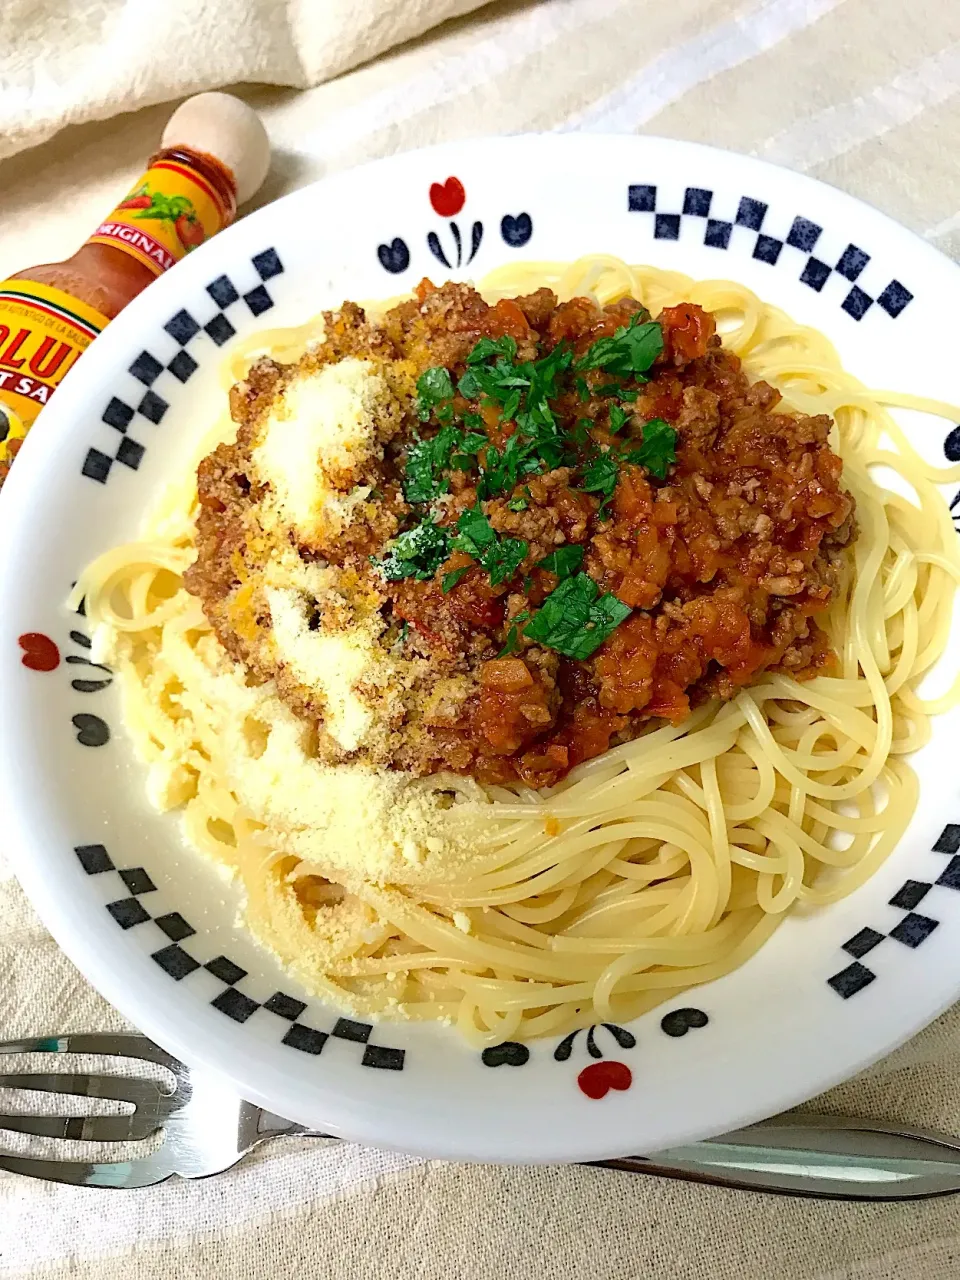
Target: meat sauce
[{"x": 724, "y": 561}]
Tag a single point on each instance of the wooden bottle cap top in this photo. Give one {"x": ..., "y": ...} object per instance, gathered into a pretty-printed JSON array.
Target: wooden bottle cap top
[{"x": 226, "y": 128}]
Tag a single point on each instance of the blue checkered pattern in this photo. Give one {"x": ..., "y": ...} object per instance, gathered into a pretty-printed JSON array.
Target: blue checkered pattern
[
  {"x": 913, "y": 928},
  {"x": 135, "y": 415},
  {"x": 179, "y": 962},
  {"x": 800, "y": 241}
]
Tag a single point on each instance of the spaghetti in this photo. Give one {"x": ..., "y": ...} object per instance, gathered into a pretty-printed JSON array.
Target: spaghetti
[{"x": 663, "y": 863}]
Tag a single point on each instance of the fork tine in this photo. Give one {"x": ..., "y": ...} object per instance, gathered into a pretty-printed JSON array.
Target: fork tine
[
  {"x": 84, "y": 1128},
  {"x": 126, "y": 1173},
  {"x": 123, "y": 1045},
  {"x": 142, "y": 1093}
]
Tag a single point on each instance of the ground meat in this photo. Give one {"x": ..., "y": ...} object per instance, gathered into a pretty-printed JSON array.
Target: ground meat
[{"x": 725, "y": 561}]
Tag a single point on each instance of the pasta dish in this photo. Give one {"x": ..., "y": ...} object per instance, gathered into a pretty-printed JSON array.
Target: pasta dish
[{"x": 528, "y": 651}]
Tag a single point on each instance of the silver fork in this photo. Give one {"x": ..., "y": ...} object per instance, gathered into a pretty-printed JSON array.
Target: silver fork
[{"x": 207, "y": 1128}]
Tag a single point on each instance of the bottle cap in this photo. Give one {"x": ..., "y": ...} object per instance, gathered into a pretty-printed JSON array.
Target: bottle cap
[{"x": 224, "y": 127}]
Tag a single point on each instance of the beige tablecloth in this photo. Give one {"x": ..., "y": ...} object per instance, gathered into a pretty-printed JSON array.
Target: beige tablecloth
[{"x": 862, "y": 93}]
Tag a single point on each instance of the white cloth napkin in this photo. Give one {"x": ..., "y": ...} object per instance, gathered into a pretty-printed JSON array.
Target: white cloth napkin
[{"x": 67, "y": 61}]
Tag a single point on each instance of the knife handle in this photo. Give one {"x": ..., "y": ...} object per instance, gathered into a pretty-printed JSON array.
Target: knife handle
[{"x": 831, "y": 1157}]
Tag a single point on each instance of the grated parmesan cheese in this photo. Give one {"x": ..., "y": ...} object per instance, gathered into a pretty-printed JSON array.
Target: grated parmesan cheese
[
  {"x": 320, "y": 431},
  {"x": 354, "y": 824},
  {"x": 335, "y": 663}
]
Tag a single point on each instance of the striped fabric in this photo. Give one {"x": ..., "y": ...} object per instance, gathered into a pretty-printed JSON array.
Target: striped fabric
[{"x": 864, "y": 94}]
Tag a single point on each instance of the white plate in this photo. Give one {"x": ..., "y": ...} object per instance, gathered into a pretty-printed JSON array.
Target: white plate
[{"x": 154, "y": 927}]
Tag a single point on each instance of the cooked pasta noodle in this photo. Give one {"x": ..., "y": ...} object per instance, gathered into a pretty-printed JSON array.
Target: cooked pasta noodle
[{"x": 665, "y": 862}]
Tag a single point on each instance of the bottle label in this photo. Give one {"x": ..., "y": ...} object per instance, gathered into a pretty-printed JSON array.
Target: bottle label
[
  {"x": 43, "y": 331},
  {"x": 170, "y": 211}
]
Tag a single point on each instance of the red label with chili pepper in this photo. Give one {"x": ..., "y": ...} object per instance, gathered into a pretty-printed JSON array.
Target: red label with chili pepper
[{"x": 170, "y": 211}]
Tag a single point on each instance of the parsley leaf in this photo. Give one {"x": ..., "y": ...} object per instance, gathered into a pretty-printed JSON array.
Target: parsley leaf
[
  {"x": 449, "y": 449},
  {"x": 502, "y": 382},
  {"x": 503, "y": 561},
  {"x": 418, "y": 553},
  {"x": 450, "y": 580},
  {"x": 576, "y": 619},
  {"x": 564, "y": 561},
  {"x": 519, "y": 503},
  {"x": 627, "y": 353},
  {"x": 501, "y": 557},
  {"x": 600, "y": 476},
  {"x": 501, "y": 469},
  {"x": 657, "y": 449},
  {"x": 487, "y": 347},
  {"x": 475, "y": 533},
  {"x": 510, "y": 645},
  {"x": 434, "y": 391},
  {"x": 425, "y": 462},
  {"x": 513, "y": 635},
  {"x": 580, "y": 435},
  {"x": 523, "y": 393},
  {"x": 469, "y": 446},
  {"x": 618, "y": 418}
]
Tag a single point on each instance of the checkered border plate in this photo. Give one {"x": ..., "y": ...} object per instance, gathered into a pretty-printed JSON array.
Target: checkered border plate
[
  {"x": 129, "y": 911},
  {"x": 802, "y": 238},
  {"x": 135, "y": 418},
  {"x": 133, "y": 422},
  {"x": 913, "y": 928}
]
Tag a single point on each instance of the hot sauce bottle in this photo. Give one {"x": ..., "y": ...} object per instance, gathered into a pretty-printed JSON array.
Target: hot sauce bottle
[{"x": 214, "y": 154}]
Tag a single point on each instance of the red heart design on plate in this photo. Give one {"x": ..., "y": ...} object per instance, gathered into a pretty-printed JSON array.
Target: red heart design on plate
[
  {"x": 39, "y": 652},
  {"x": 448, "y": 197},
  {"x": 600, "y": 1077}
]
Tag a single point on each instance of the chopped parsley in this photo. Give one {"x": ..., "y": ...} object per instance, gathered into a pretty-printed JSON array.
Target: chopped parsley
[
  {"x": 435, "y": 395},
  {"x": 513, "y": 635},
  {"x": 510, "y": 644},
  {"x": 657, "y": 449},
  {"x": 576, "y": 618},
  {"x": 522, "y": 393},
  {"x": 467, "y": 449},
  {"x": 564, "y": 561},
  {"x": 501, "y": 557},
  {"x": 488, "y": 347},
  {"x": 418, "y": 553},
  {"x": 449, "y": 449},
  {"x": 533, "y": 440},
  {"x": 503, "y": 561},
  {"x": 501, "y": 381},
  {"x": 425, "y": 463},
  {"x": 580, "y": 435},
  {"x": 628, "y": 353},
  {"x": 475, "y": 533},
  {"x": 450, "y": 580},
  {"x": 504, "y": 467},
  {"x": 600, "y": 476},
  {"x": 608, "y": 390},
  {"x": 656, "y": 452},
  {"x": 618, "y": 418}
]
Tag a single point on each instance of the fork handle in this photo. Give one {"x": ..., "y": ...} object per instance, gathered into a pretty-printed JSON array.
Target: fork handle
[
  {"x": 270, "y": 1125},
  {"x": 828, "y": 1157}
]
